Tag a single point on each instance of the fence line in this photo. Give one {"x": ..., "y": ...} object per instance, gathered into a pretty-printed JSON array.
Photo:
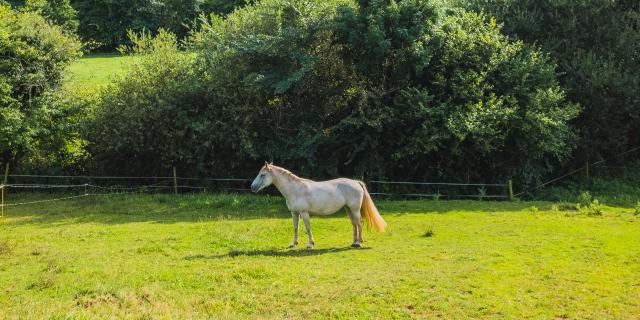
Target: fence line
[
  {"x": 118, "y": 190},
  {"x": 586, "y": 167},
  {"x": 3, "y": 205},
  {"x": 114, "y": 177},
  {"x": 441, "y": 183},
  {"x": 432, "y": 195},
  {"x": 41, "y": 201},
  {"x": 241, "y": 179}
]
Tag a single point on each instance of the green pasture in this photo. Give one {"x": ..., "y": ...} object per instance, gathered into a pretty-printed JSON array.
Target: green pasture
[
  {"x": 97, "y": 70},
  {"x": 225, "y": 256}
]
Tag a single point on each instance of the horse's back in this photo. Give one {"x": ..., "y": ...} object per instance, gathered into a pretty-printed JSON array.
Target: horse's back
[{"x": 348, "y": 191}]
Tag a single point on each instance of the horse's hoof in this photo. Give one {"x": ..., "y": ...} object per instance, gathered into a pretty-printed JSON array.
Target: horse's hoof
[
  {"x": 293, "y": 244},
  {"x": 356, "y": 245},
  {"x": 310, "y": 246}
]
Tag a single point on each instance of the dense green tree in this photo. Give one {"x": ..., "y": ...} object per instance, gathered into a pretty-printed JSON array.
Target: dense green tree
[
  {"x": 34, "y": 54},
  {"x": 59, "y": 12},
  {"x": 222, "y": 7},
  {"x": 451, "y": 93},
  {"x": 393, "y": 89},
  {"x": 104, "y": 23},
  {"x": 597, "y": 46}
]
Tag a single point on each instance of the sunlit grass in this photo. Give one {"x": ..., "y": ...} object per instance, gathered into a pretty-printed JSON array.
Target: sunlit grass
[
  {"x": 223, "y": 256},
  {"x": 95, "y": 71}
]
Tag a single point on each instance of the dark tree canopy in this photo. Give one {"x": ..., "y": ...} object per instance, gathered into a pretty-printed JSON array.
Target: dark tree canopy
[
  {"x": 380, "y": 89},
  {"x": 104, "y": 23},
  {"x": 597, "y": 47}
]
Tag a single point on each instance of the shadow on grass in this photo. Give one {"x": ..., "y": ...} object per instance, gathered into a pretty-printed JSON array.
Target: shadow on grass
[{"x": 273, "y": 253}]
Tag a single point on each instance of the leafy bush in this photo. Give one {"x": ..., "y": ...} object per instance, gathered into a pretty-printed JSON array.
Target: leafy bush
[
  {"x": 64, "y": 151},
  {"x": 451, "y": 93},
  {"x": 147, "y": 118},
  {"x": 585, "y": 199},
  {"x": 597, "y": 45},
  {"x": 589, "y": 205},
  {"x": 104, "y": 23},
  {"x": 383, "y": 89},
  {"x": 594, "y": 208},
  {"x": 35, "y": 54},
  {"x": 58, "y": 12}
]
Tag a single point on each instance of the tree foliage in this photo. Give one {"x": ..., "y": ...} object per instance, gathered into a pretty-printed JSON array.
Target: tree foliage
[
  {"x": 104, "y": 23},
  {"x": 34, "y": 55},
  {"x": 58, "y": 12},
  {"x": 597, "y": 46},
  {"x": 386, "y": 89},
  {"x": 154, "y": 100}
]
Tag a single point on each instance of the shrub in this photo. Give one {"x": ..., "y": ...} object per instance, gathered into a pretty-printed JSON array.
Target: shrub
[
  {"x": 596, "y": 44},
  {"x": 594, "y": 208},
  {"x": 450, "y": 97},
  {"x": 585, "y": 199},
  {"x": 58, "y": 12},
  {"x": 453, "y": 94},
  {"x": 104, "y": 23},
  {"x": 38, "y": 52},
  {"x": 589, "y": 205},
  {"x": 149, "y": 119}
]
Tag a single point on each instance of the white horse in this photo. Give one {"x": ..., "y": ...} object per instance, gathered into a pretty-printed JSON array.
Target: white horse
[{"x": 305, "y": 197}]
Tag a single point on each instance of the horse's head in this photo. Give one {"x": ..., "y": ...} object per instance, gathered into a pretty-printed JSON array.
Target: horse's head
[{"x": 263, "y": 179}]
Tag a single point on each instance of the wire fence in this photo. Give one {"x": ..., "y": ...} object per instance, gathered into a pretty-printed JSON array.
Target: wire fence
[
  {"x": 587, "y": 171},
  {"x": 66, "y": 187}
]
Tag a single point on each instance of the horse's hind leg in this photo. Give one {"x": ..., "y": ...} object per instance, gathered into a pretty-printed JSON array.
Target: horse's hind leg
[{"x": 356, "y": 221}]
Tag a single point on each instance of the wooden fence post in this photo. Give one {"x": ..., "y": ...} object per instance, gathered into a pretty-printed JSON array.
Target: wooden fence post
[
  {"x": 2, "y": 190},
  {"x": 6, "y": 174},
  {"x": 175, "y": 181},
  {"x": 587, "y": 173},
  {"x": 510, "y": 186},
  {"x": 4, "y": 182}
]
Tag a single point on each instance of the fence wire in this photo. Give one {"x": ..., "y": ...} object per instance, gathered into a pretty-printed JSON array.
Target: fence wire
[
  {"x": 403, "y": 189},
  {"x": 597, "y": 164}
]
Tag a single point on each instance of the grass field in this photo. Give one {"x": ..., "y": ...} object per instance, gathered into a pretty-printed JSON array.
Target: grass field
[
  {"x": 97, "y": 70},
  {"x": 224, "y": 256}
]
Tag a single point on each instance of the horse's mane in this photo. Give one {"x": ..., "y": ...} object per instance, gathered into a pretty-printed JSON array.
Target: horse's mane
[{"x": 286, "y": 173}]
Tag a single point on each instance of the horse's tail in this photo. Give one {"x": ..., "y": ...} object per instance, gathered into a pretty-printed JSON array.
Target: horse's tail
[{"x": 370, "y": 212}]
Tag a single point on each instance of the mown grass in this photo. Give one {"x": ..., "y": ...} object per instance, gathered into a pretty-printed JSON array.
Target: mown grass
[
  {"x": 222, "y": 256},
  {"x": 95, "y": 71}
]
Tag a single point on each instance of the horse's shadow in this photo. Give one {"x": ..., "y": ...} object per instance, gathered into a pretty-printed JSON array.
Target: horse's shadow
[{"x": 273, "y": 253}]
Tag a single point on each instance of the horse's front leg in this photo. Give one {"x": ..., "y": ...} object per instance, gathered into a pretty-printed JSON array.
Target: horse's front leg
[
  {"x": 307, "y": 225},
  {"x": 296, "y": 218}
]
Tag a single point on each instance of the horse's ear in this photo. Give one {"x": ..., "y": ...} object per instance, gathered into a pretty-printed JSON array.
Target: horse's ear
[
  {"x": 266, "y": 164},
  {"x": 271, "y": 163}
]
